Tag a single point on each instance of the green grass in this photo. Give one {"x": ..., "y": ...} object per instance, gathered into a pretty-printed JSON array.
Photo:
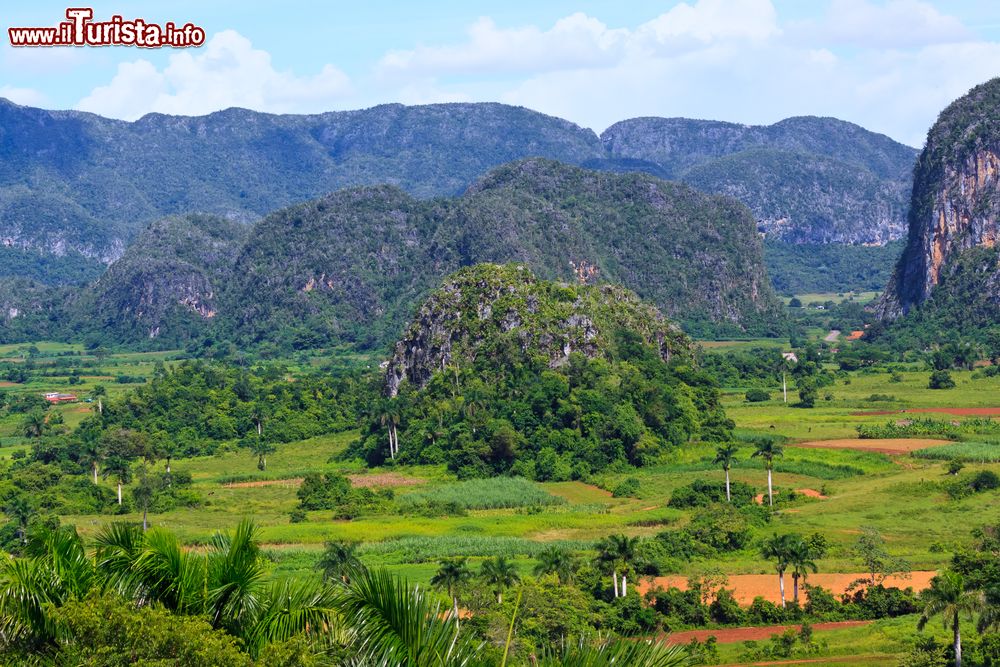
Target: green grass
[
  {"x": 497, "y": 493},
  {"x": 973, "y": 452}
]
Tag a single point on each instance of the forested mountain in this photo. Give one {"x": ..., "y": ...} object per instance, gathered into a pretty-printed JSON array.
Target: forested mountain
[
  {"x": 79, "y": 188},
  {"x": 352, "y": 266},
  {"x": 948, "y": 278},
  {"x": 168, "y": 283},
  {"x": 500, "y": 372},
  {"x": 807, "y": 179}
]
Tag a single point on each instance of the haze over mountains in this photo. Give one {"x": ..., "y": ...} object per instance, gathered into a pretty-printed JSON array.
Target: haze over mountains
[{"x": 82, "y": 187}]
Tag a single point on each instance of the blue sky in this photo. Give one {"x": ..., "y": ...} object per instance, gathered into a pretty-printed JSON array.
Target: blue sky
[{"x": 889, "y": 65}]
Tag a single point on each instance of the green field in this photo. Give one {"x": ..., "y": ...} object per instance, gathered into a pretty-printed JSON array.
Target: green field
[{"x": 903, "y": 496}]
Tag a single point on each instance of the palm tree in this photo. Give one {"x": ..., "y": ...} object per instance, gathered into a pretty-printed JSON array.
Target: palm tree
[
  {"x": 553, "y": 560},
  {"x": 389, "y": 417},
  {"x": 20, "y": 510},
  {"x": 768, "y": 450},
  {"x": 99, "y": 392},
  {"x": 340, "y": 561},
  {"x": 617, "y": 551},
  {"x": 91, "y": 453},
  {"x": 778, "y": 547},
  {"x": 949, "y": 598},
  {"x": 451, "y": 574},
  {"x": 56, "y": 572},
  {"x": 800, "y": 559},
  {"x": 499, "y": 575},
  {"x": 989, "y": 619},
  {"x": 261, "y": 448},
  {"x": 34, "y": 425},
  {"x": 725, "y": 455},
  {"x": 119, "y": 468}
]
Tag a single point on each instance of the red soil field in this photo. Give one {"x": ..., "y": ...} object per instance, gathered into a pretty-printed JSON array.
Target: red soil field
[
  {"x": 4, "y": 383},
  {"x": 748, "y": 586},
  {"x": 733, "y": 635},
  {"x": 882, "y": 446}
]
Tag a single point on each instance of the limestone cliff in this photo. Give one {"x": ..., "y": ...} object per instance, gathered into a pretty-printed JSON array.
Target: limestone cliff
[
  {"x": 491, "y": 309},
  {"x": 955, "y": 205}
]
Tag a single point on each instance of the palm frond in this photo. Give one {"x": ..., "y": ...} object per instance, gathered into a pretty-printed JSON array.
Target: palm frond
[
  {"x": 393, "y": 624},
  {"x": 290, "y": 608},
  {"x": 618, "y": 653}
]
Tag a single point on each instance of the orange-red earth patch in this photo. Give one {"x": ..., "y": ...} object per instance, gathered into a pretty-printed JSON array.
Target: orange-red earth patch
[
  {"x": 882, "y": 446},
  {"x": 746, "y": 587},
  {"x": 733, "y": 635}
]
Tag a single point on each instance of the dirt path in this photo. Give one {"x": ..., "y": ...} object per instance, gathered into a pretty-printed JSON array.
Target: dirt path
[
  {"x": 748, "y": 586},
  {"x": 958, "y": 412},
  {"x": 832, "y": 336},
  {"x": 733, "y": 635},
  {"x": 882, "y": 446}
]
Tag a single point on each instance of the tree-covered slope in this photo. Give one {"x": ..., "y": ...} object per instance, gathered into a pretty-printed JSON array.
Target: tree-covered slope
[
  {"x": 353, "y": 265},
  {"x": 807, "y": 180},
  {"x": 167, "y": 285},
  {"x": 76, "y": 181},
  {"x": 504, "y": 373}
]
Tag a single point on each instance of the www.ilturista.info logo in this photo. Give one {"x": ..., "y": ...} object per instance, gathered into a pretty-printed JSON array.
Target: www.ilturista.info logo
[{"x": 81, "y": 30}]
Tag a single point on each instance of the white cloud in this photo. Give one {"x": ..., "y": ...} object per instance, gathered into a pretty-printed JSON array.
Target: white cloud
[
  {"x": 575, "y": 41},
  {"x": 26, "y": 96},
  {"x": 227, "y": 72},
  {"x": 894, "y": 24}
]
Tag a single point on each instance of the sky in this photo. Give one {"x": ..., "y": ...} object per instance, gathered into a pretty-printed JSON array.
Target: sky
[{"x": 888, "y": 65}]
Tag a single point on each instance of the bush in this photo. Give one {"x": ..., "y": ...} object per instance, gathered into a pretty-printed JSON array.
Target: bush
[
  {"x": 941, "y": 380},
  {"x": 757, "y": 396},
  {"x": 627, "y": 488},
  {"x": 702, "y": 493},
  {"x": 955, "y": 466}
]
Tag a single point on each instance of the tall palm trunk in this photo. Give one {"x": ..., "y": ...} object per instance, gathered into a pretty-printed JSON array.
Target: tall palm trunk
[
  {"x": 614, "y": 580},
  {"x": 958, "y": 642},
  {"x": 144, "y": 524},
  {"x": 770, "y": 492},
  {"x": 729, "y": 498},
  {"x": 95, "y": 472},
  {"x": 624, "y": 587},
  {"x": 795, "y": 587},
  {"x": 119, "y": 493},
  {"x": 781, "y": 587}
]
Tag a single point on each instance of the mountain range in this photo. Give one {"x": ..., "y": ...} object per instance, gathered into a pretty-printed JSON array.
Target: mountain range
[
  {"x": 352, "y": 266},
  {"x": 76, "y": 189}
]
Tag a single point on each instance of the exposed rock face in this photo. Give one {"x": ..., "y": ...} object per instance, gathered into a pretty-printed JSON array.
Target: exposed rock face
[
  {"x": 168, "y": 282},
  {"x": 486, "y": 308},
  {"x": 956, "y": 200}
]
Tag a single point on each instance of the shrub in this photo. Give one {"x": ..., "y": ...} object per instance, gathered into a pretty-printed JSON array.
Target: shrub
[
  {"x": 702, "y": 493},
  {"x": 955, "y": 466},
  {"x": 627, "y": 488},
  {"x": 757, "y": 396},
  {"x": 941, "y": 380}
]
